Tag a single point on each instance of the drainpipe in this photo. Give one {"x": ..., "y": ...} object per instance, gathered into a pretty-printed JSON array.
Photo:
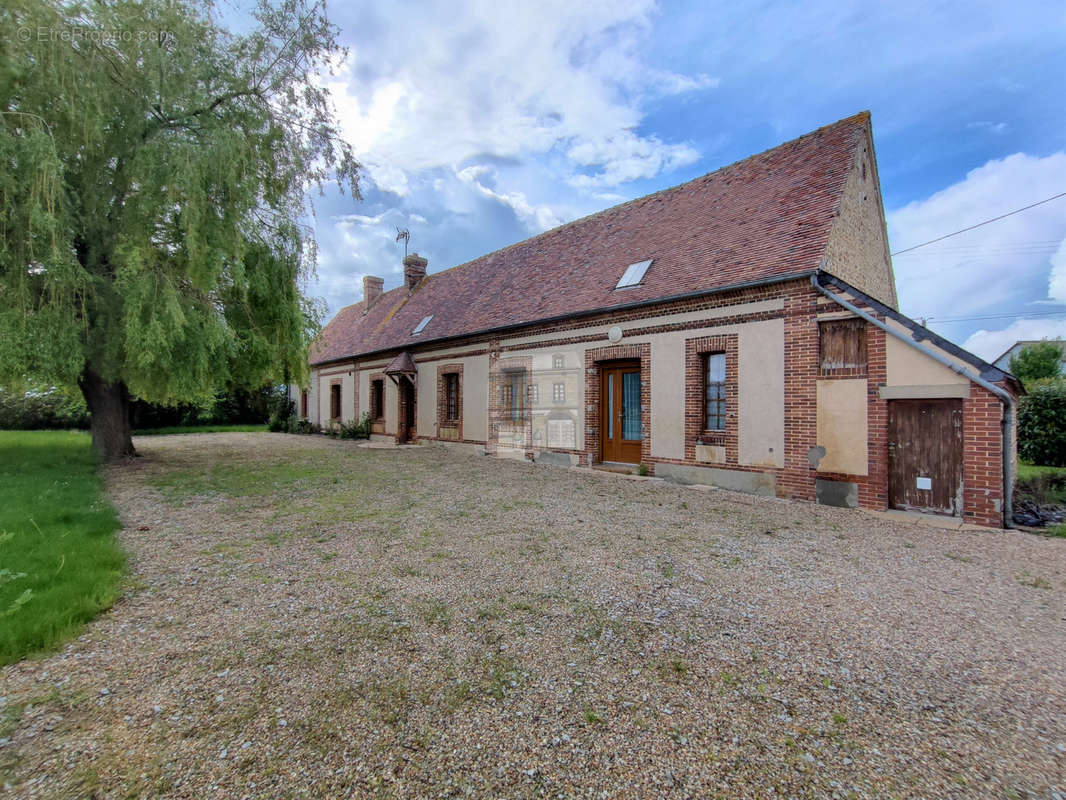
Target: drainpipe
[{"x": 1005, "y": 396}]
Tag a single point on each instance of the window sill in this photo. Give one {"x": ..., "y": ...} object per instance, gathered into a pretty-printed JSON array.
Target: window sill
[{"x": 843, "y": 372}]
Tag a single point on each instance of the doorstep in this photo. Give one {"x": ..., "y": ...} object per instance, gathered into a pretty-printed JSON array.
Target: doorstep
[
  {"x": 620, "y": 467},
  {"x": 926, "y": 520}
]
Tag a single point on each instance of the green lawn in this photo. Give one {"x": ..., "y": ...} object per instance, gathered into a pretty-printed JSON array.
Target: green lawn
[
  {"x": 59, "y": 562},
  {"x": 1029, "y": 471},
  {"x": 202, "y": 429}
]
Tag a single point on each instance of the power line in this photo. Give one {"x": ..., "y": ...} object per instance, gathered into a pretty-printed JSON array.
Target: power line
[
  {"x": 1016, "y": 315},
  {"x": 979, "y": 224}
]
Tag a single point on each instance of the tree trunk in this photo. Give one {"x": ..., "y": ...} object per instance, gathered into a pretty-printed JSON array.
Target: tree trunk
[{"x": 109, "y": 415}]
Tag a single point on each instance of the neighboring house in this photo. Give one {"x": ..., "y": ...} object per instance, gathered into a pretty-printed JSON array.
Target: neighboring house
[
  {"x": 1003, "y": 362},
  {"x": 703, "y": 331}
]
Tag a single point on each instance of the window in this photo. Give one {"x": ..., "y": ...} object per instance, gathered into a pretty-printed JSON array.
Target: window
[
  {"x": 534, "y": 394},
  {"x": 451, "y": 396},
  {"x": 514, "y": 393},
  {"x": 558, "y": 362},
  {"x": 303, "y": 404},
  {"x": 421, "y": 326},
  {"x": 633, "y": 275},
  {"x": 377, "y": 399},
  {"x": 842, "y": 344},
  {"x": 335, "y": 401},
  {"x": 558, "y": 392},
  {"x": 714, "y": 392}
]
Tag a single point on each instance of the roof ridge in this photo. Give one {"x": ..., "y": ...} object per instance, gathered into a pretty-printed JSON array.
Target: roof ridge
[
  {"x": 859, "y": 117},
  {"x": 798, "y": 183}
]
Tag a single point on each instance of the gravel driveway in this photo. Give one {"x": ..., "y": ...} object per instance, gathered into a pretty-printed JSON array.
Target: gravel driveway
[{"x": 307, "y": 618}]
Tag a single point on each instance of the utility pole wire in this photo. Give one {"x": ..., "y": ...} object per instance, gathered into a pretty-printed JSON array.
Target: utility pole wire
[
  {"x": 979, "y": 224},
  {"x": 1017, "y": 315}
]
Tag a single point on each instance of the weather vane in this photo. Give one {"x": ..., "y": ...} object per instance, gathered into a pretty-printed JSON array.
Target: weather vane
[{"x": 403, "y": 233}]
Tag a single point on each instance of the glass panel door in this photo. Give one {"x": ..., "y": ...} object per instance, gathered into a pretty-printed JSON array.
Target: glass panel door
[
  {"x": 631, "y": 406},
  {"x": 610, "y": 405}
]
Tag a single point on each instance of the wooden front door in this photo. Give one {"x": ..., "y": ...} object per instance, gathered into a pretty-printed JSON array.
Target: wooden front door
[
  {"x": 406, "y": 423},
  {"x": 925, "y": 455},
  {"x": 620, "y": 433}
]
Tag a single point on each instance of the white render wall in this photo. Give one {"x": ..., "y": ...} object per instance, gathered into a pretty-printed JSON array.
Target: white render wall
[{"x": 760, "y": 381}]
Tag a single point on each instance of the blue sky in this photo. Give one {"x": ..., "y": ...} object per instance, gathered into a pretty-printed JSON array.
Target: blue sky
[{"x": 483, "y": 123}]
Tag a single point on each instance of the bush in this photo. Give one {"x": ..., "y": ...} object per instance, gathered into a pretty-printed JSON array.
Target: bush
[
  {"x": 230, "y": 407},
  {"x": 302, "y": 425},
  {"x": 355, "y": 430},
  {"x": 283, "y": 410},
  {"x": 52, "y": 408},
  {"x": 1042, "y": 424}
]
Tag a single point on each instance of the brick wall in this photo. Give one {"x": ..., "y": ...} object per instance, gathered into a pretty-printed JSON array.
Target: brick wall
[
  {"x": 450, "y": 430},
  {"x": 982, "y": 465},
  {"x": 873, "y": 487},
  {"x": 695, "y": 397},
  {"x": 622, "y": 352}
]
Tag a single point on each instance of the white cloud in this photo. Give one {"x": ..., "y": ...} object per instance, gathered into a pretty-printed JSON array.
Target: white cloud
[
  {"x": 992, "y": 127},
  {"x": 450, "y": 85},
  {"x": 992, "y": 344},
  {"x": 626, "y": 157},
  {"x": 672, "y": 83},
  {"x": 999, "y": 266},
  {"x": 537, "y": 219},
  {"x": 1057, "y": 279}
]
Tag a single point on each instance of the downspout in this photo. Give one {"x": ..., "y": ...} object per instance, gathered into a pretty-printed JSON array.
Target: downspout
[{"x": 1005, "y": 396}]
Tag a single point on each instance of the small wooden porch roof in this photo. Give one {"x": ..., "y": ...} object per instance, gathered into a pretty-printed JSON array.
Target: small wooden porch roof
[{"x": 404, "y": 365}]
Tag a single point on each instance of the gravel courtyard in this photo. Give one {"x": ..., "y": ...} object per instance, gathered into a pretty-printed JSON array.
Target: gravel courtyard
[{"x": 307, "y": 618}]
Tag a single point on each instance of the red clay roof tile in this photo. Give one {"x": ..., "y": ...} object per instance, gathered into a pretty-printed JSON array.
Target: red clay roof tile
[{"x": 765, "y": 217}]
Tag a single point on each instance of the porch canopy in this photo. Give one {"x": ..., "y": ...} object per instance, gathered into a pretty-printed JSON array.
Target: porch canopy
[{"x": 402, "y": 365}]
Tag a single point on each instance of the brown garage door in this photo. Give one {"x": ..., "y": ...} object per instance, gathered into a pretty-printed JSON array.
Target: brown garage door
[{"x": 925, "y": 455}]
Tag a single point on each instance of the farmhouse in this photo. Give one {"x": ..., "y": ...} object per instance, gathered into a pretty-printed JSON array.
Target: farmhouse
[{"x": 739, "y": 330}]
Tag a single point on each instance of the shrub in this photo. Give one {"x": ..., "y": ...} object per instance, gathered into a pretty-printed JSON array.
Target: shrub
[
  {"x": 41, "y": 409},
  {"x": 1037, "y": 361},
  {"x": 302, "y": 425},
  {"x": 283, "y": 410},
  {"x": 229, "y": 407},
  {"x": 355, "y": 430},
  {"x": 1042, "y": 424}
]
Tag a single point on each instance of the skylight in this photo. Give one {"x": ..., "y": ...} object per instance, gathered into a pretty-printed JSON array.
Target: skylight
[
  {"x": 421, "y": 325},
  {"x": 634, "y": 274}
]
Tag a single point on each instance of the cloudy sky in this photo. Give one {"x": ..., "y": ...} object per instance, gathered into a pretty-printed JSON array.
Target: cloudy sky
[{"x": 482, "y": 123}]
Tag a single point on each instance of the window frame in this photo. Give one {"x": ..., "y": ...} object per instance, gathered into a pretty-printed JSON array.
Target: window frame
[
  {"x": 634, "y": 274},
  {"x": 377, "y": 399},
  {"x": 515, "y": 389},
  {"x": 723, "y": 395},
  {"x": 336, "y": 401},
  {"x": 704, "y": 446},
  {"x": 451, "y": 397},
  {"x": 861, "y": 348}
]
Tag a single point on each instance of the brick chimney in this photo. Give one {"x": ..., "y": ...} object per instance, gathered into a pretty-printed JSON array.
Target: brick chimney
[
  {"x": 371, "y": 290},
  {"x": 414, "y": 269}
]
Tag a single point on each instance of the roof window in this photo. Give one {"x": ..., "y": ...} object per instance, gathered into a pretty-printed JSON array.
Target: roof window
[
  {"x": 421, "y": 326},
  {"x": 633, "y": 275}
]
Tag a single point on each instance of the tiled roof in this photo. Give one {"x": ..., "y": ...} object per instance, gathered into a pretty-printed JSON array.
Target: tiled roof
[
  {"x": 402, "y": 364},
  {"x": 768, "y": 216}
]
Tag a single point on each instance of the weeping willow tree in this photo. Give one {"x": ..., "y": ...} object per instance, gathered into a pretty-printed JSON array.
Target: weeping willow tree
[{"x": 155, "y": 172}]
